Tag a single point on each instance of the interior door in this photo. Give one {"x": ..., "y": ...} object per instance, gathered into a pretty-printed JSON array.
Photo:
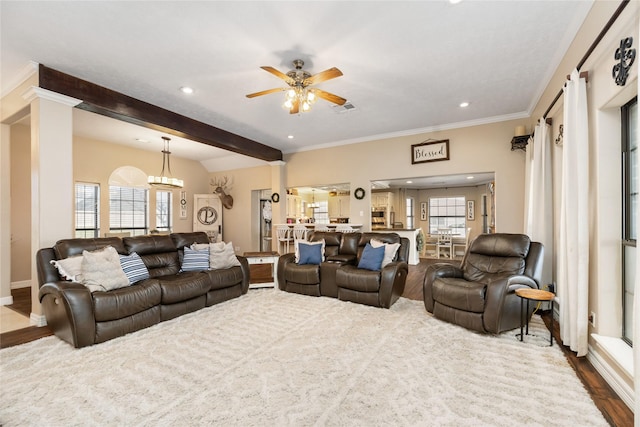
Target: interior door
[{"x": 207, "y": 215}]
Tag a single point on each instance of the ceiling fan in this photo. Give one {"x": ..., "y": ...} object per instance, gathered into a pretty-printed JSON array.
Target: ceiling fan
[{"x": 300, "y": 95}]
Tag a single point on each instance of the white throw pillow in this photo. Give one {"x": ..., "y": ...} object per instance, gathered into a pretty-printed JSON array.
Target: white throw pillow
[
  {"x": 69, "y": 268},
  {"x": 390, "y": 250},
  {"x": 222, "y": 256},
  {"x": 296, "y": 248},
  {"x": 101, "y": 270}
]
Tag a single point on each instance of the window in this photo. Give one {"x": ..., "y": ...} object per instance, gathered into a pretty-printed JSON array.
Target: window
[
  {"x": 321, "y": 213},
  {"x": 163, "y": 211},
  {"x": 447, "y": 212},
  {"x": 629, "y": 119},
  {"x": 128, "y": 210},
  {"x": 410, "y": 218},
  {"x": 87, "y": 210}
]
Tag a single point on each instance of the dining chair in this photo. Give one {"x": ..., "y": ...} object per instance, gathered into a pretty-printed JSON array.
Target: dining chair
[
  {"x": 460, "y": 245},
  {"x": 443, "y": 247}
]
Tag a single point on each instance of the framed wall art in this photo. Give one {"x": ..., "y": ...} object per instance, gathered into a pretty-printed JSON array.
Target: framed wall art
[
  {"x": 423, "y": 211},
  {"x": 432, "y": 151},
  {"x": 471, "y": 210}
]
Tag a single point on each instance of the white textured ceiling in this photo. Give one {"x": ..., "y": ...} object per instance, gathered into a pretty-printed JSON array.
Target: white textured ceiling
[{"x": 407, "y": 65}]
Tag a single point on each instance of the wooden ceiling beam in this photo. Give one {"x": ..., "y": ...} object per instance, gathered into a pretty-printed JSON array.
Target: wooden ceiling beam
[{"x": 116, "y": 105}]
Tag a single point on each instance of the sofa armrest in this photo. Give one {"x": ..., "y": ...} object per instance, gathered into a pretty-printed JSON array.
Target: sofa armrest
[
  {"x": 393, "y": 277},
  {"x": 283, "y": 261},
  {"x": 502, "y": 305},
  {"x": 68, "y": 308},
  {"x": 435, "y": 271},
  {"x": 246, "y": 273}
]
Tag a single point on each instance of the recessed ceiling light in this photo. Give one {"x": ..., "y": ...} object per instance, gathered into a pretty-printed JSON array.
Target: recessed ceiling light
[
  {"x": 454, "y": 1},
  {"x": 464, "y": 104},
  {"x": 470, "y": 177},
  {"x": 290, "y": 136},
  {"x": 409, "y": 182},
  {"x": 186, "y": 89}
]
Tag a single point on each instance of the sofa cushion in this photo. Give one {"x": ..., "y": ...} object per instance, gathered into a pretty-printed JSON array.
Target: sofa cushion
[
  {"x": 195, "y": 259},
  {"x": 69, "y": 247},
  {"x": 310, "y": 253},
  {"x": 307, "y": 274},
  {"x": 225, "y": 277},
  {"x": 101, "y": 270},
  {"x": 358, "y": 279},
  {"x": 390, "y": 250},
  {"x": 459, "y": 294},
  {"x": 69, "y": 268},
  {"x": 134, "y": 268},
  {"x": 296, "y": 248},
  {"x": 371, "y": 258},
  {"x": 221, "y": 257},
  {"x": 124, "y": 302},
  {"x": 184, "y": 286}
]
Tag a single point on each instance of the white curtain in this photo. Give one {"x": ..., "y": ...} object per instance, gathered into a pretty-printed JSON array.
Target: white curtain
[
  {"x": 573, "y": 256},
  {"x": 539, "y": 197}
]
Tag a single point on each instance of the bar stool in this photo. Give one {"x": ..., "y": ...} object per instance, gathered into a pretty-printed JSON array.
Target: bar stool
[{"x": 283, "y": 235}]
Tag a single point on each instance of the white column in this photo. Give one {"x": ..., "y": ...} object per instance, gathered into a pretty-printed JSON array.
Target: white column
[
  {"x": 51, "y": 177},
  {"x": 278, "y": 210},
  {"x": 5, "y": 216}
]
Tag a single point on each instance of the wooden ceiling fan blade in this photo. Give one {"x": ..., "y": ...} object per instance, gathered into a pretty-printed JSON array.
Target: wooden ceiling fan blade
[
  {"x": 323, "y": 76},
  {"x": 279, "y": 74},
  {"x": 265, "y": 92},
  {"x": 295, "y": 108},
  {"x": 329, "y": 97}
]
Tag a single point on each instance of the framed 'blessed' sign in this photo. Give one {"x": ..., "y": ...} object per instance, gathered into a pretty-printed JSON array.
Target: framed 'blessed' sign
[{"x": 432, "y": 151}]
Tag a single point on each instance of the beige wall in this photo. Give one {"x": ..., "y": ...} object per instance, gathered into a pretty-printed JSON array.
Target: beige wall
[
  {"x": 20, "y": 203},
  {"x": 474, "y": 149},
  {"x": 86, "y": 168}
]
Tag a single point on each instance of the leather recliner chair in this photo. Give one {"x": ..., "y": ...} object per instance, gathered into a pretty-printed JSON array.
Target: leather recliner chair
[{"x": 480, "y": 294}]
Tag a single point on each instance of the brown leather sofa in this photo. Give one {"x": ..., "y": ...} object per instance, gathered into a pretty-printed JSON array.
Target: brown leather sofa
[
  {"x": 480, "y": 294},
  {"x": 83, "y": 318},
  {"x": 339, "y": 277}
]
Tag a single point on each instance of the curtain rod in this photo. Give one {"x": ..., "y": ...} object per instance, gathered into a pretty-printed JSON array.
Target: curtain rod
[{"x": 604, "y": 31}]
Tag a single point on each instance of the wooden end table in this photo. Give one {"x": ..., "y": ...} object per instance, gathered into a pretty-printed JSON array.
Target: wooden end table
[
  {"x": 537, "y": 295},
  {"x": 264, "y": 258}
]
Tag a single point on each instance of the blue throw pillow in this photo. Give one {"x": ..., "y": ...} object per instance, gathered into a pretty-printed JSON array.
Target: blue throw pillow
[
  {"x": 134, "y": 268},
  {"x": 310, "y": 254},
  {"x": 371, "y": 258},
  {"x": 195, "y": 260}
]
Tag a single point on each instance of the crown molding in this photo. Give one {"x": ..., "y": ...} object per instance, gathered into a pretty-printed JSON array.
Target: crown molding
[
  {"x": 35, "y": 92},
  {"x": 23, "y": 75}
]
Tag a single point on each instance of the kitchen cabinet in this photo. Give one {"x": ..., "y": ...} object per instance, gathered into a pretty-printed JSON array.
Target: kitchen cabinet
[
  {"x": 339, "y": 206},
  {"x": 294, "y": 206}
]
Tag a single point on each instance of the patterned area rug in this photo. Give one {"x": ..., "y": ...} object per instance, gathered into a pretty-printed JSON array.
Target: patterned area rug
[{"x": 271, "y": 358}]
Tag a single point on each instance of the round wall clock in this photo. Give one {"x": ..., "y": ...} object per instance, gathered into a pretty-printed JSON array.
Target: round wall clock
[
  {"x": 275, "y": 197},
  {"x": 359, "y": 193}
]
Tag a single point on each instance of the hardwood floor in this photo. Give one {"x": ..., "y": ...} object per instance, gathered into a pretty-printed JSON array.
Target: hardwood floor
[{"x": 614, "y": 410}]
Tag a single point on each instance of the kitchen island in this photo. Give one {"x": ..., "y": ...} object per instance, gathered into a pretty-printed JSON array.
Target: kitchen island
[{"x": 409, "y": 233}]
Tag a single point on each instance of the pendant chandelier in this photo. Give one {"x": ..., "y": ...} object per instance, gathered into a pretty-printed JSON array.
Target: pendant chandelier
[
  {"x": 313, "y": 204},
  {"x": 165, "y": 180}
]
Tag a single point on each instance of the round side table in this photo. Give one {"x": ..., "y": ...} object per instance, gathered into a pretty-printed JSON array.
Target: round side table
[{"x": 533, "y": 295}]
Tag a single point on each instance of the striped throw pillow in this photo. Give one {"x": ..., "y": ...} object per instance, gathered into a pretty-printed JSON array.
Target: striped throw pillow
[
  {"x": 195, "y": 260},
  {"x": 134, "y": 267}
]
